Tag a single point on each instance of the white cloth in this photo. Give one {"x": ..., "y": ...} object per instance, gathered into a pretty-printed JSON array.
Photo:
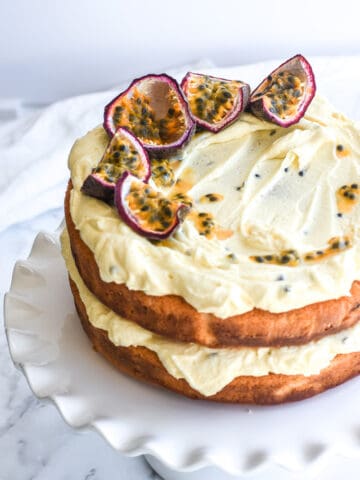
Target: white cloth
[{"x": 34, "y": 151}]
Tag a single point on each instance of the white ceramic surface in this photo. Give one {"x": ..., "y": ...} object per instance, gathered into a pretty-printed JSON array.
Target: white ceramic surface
[{"x": 47, "y": 342}]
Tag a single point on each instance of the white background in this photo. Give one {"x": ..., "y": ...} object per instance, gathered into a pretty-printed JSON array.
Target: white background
[{"x": 50, "y": 49}]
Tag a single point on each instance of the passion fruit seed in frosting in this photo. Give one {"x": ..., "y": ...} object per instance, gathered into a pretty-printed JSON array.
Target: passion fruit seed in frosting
[
  {"x": 211, "y": 198},
  {"x": 342, "y": 151},
  {"x": 182, "y": 185},
  {"x": 335, "y": 246},
  {"x": 291, "y": 258},
  {"x": 204, "y": 223},
  {"x": 232, "y": 257},
  {"x": 347, "y": 197},
  {"x": 182, "y": 198}
]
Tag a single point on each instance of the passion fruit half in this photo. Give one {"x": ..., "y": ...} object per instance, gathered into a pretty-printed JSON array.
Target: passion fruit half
[
  {"x": 214, "y": 102},
  {"x": 123, "y": 154},
  {"x": 155, "y": 110},
  {"x": 145, "y": 210},
  {"x": 285, "y": 94}
]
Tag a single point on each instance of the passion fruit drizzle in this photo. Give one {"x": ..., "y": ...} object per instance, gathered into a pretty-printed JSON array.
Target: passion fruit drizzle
[
  {"x": 204, "y": 223},
  {"x": 347, "y": 197},
  {"x": 185, "y": 182},
  {"x": 211, "y": 198},
  {"x": 283, "y": 92},
  {"x": 136, "y": 109},
  {"x": 211, "y": 100},
  {"x": 183, "y": 198},
  {"x": 120, "y": 156},
  {"x": 291, "y": 258},
  {"x": 182, "y": 185}
]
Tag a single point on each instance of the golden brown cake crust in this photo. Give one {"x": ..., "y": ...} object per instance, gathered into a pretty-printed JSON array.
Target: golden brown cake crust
[
  {"x": 172, "y": 317},
  {"x": 143, "y": 364}
]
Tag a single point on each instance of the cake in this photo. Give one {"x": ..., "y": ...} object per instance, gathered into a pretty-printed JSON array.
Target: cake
[{"x": 252, "y": 294}]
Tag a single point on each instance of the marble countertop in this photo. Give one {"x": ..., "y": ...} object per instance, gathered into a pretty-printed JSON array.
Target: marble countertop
[{"x": 35, "y": 442}]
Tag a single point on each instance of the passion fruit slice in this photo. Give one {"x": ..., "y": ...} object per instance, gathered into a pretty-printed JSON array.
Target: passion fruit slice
[
  {"x": 145, "y": 210},
  {"x": 155, "y": 110},
  {"x": 284, "y": 96},
  {"x": 124, "y": 153},
  {"x": 214, "y": 102}
]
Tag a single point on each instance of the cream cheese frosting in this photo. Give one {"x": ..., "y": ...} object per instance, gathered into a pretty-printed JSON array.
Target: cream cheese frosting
[
  {"x": 209, "y": 370},
  {"x": 279, "y": 189}
]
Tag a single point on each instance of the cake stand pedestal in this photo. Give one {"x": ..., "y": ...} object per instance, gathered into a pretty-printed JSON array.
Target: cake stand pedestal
[{"x": 181, "y": 438}]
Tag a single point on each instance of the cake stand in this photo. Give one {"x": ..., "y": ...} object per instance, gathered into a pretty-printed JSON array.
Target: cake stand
[{"x": 182, "y": 439}]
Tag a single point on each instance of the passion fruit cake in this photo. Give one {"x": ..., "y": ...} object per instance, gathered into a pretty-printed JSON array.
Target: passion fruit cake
[{"x": 222, "y": 264}]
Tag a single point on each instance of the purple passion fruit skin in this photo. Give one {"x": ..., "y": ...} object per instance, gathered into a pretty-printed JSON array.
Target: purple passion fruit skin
[
  {"x": 284, "y": 96},
  {"x": 145, "y": 210},
  {"x": 214, "y": 102},
  {"x": 123, "y": 153},
  {"x": 155, "y": 110}
]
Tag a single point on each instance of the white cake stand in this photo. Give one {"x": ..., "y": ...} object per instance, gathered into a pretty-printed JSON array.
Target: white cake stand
[{"x": 180, "y": 437}]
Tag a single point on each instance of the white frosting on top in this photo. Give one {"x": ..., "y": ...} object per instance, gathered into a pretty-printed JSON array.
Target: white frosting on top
[
  {"x": 208, "y": 370},
  {"x": 279, "y": 187}
]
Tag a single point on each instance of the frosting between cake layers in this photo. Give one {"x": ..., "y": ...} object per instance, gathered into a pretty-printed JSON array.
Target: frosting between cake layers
[
  {"x": 209, "y": 370},
  {"x": 280, "y": 192}
]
